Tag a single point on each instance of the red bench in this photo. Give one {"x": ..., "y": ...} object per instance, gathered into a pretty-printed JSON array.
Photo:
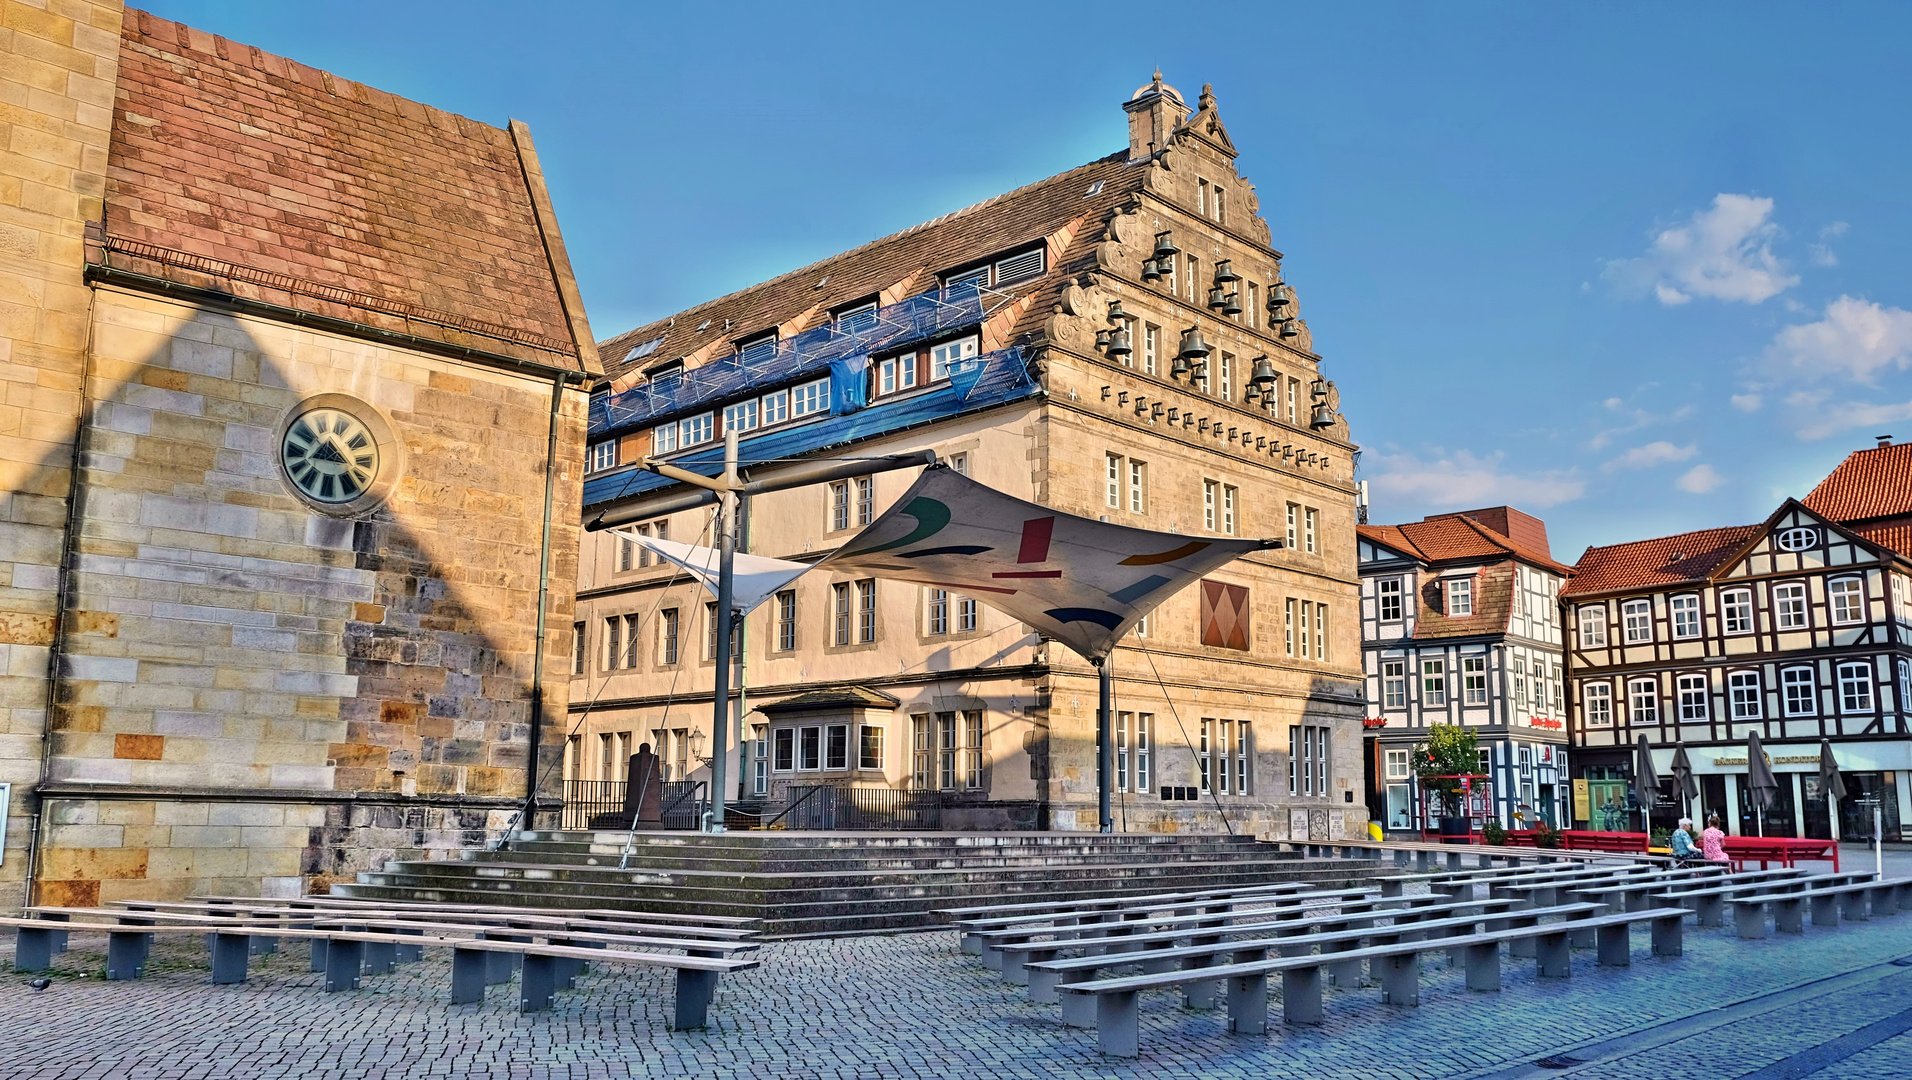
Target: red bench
[
  {"x": 1623, "y": 843},
  {"x": 1783, "y": 850}
]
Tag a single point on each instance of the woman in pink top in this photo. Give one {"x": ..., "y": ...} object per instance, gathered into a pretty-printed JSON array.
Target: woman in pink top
[{"x": 1713, "y": 841}]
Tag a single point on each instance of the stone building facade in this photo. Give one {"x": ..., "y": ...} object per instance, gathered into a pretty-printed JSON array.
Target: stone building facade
[
  {"x": 307, "y": 373},
  {"x": 1460, "y": 624},
  {"x": 1116, "y": 342}
]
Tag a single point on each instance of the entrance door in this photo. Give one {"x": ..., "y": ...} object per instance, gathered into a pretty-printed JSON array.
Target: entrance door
[
  {"x": 1864, "y": 790},
  {"x": 1713, "y": 801},
  {"x": 1815, "y": 814},
  {"x": 1607, "y": 799},
  {"x": 1778, "y": 821}
]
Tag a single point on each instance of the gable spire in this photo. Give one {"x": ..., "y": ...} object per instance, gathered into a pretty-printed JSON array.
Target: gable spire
[{"x": 1155, "y": 111}]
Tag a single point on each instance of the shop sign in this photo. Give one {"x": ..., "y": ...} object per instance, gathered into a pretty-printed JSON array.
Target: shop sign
[
  {"x": 1543, "y": 722},
  {"x": 1371, "y": 722}
]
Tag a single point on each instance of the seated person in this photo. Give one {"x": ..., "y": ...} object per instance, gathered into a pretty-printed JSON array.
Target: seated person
[{"x": 1682, "y": 841}]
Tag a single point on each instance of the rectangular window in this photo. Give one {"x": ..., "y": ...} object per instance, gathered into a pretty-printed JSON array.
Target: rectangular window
[
  {"x": 710, "y": 630},
  {"x": 965, "y": 615},
  {"x": 946, "y": 750},
  {"x": 1321, "y": 631},
  {"x": 787, "y": 620},
  {"x": 1290, "y": 623},
  {"x": 811, "y": 397},
  {"x": 857, "y": 320},
  {"x": 949, "y": 354},
  {"x": 667, "y": 635},
  {"x": 921, "y": 751},
  {"x": 1796, "y": 685},
  {"x": 630, "y": 642},
  {"x": 741, "y": 416},
  {"x": 1203, "y": 753},
  {"x": 1211, "y": 494},
  {"x": 1848, "y": 600},
  {"x": 1636, "y": 616},
  {"x": 1309, "y": 517},
  {"x": 1138, "y": 487},
  {"x": 1389, "y": 592},
  {"x": 1151, "y": 344},
  {"x": 1226, "y": 368},
  {"x": 1474, "y": 680},
  {"x": 959, "y": 464},
  {"x": 1121, "y": 733},
  {"x": 1294, "y": 391},
  {"x": 1789, "y": 605},
  {"x": 809, "y": 748},
  {"x": 1397, "y": 765},
  {"x": 1393, "y": 684},
  {"x": 1307, "y": 760},
  {"x": 1294, "y": 528},
  {"x": 1520, "y": 680},
  {"x": 697, "y": 429},
  {"x": 758, "y": 350},
  {"x": 839, "y": 505},
  {"x": 577, "y": 648},
  {"x": 784, "y": 749},
  {"x": 1593, "y": 626},
  {"x": 869, "y": 747},
  {"x": 1230, "y": 494},
  {"x": 1692, "y": 693},
  {"x": 1254, "y": 305},
  {"x": 939, "y": 611},
  {"x": 1142, "y": 627},
  {"x": 613, "y": 633},
  {"x": 664, "y": 438},
  {"x": 776, "y": 407},
  {"x": 1743, "y": 694},
  {"x": 1643, "y": 701},
  {"x": 1194, "y": 277},
  {"x": 1686, "y": 616},
  {"x": 1112, "y": 474},
  {"x": 1598, "y": 700},
  {"x": 865, "y": 499},
  {"x": 896, "y": 374},
  {"x": 1460, "y": 597},
  {"x": 836, "y": 747},
  {"x": 1736, "y": 611},
  {"x": 1433, "y": 682},
  {"x": 604, "y": 455},
  {"x": 1142, "y": 748},
  {"x": 1224, "y": 772},
  {"x": 1902, "y": 599},
  {"x": 626, "y": 553},
  {"x": 972, "y": 750},
  {"x": 866, "y": 610},
  {"x": 840, "y": 613},
  {"x": 1855, "y": 688}
]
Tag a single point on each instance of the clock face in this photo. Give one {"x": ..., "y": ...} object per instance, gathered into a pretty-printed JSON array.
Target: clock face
[{"x": 330, "y": 455}]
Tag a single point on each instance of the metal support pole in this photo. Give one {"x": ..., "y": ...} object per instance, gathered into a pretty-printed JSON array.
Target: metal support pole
[
  {"x": 1104, "y": 740},
  {"x": 726, "y": 626}
]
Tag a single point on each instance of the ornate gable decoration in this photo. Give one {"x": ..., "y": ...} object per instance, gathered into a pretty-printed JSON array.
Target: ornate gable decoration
[
  {"x": 1797, "y": 539},
  {"x": 1206, "y": 124}
]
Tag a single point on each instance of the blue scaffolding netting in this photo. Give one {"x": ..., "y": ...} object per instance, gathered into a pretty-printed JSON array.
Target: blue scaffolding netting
[{"x": 892, "y": 326}]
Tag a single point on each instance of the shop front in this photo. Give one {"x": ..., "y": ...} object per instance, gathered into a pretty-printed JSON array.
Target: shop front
[{"x": 1877, "y": 776}]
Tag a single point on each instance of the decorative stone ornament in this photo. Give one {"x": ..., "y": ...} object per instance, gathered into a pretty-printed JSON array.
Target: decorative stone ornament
[{"x": 337, "y": 454}]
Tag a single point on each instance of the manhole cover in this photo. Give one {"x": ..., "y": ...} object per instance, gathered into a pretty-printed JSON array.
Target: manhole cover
[{"x": 1559, "y": 1061}]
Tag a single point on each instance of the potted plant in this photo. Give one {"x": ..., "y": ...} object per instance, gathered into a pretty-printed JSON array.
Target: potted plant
[
  {"x": 1449, "y": 753},
  {"x": 1493, "y": 833},
  {"x": 1545, "y": 835}
]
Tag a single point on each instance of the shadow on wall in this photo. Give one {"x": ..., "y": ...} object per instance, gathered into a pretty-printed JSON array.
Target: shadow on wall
[{"x": 223, "y": 637}]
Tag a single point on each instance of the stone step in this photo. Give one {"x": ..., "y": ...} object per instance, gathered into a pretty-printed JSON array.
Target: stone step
[{"x": 769, "y": 863}]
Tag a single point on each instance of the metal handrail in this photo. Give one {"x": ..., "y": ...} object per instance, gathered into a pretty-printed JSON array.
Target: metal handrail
[{"x": 812, "y": 794}]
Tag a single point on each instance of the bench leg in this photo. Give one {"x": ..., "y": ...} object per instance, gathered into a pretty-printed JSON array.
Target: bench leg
[
  {"x": 1554, "y": 954},
  {"x": 1483, "y": 967},
  {"x": 1825, "y": 911},
  {"x": 381, "y": 958},
  {"x": 467, "y": 976},
  {"x": 1390, "y": 888},
  {"x": 1668, "y": 936},
  {"x": 1711, "y": 909},
  {"x": 1523, "y": 948},
  {"x": 229, "y": 955},
  {"x": 1042, "y": 986},
  {"x": 1401, "y": 979},
  {"x": 1616, "y": 945},
  {"x": 1749, "y": 920},
  {"x": 318, "y": 955},
  {"x": 1078, "y": 1010},
  {"x": 409, "y": 954},
  {"x": 344, "y": 961},
  {"x": 992, "y": 958},
  {"x": 1118, "y": 1032},
  {"x": 1200, "y": 995},
  {"x": 1300, "y": 995},
  {"x": 126, "y": 954},
  {"x": 1853, "y": 905},
  {"x": 498, "y": 968},
  {"x": 1883, "y": 900},
  {"x": 972, "y": 944},
  {"x": 539, "y": 982},
  {"x": 695, "y": 990},
  {"x": 265, "y": 946},
  {"x": 1789, "y": 916},
  {"x": 33, "y": 949}
]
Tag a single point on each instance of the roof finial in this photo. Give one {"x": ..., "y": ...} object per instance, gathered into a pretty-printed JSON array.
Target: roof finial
[
  {"x": 1207, "y": 100},
  {"x": 1158, "y": 77}
]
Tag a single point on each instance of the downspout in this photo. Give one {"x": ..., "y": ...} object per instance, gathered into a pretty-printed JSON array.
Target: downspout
[{"x": 528, "y": 817}]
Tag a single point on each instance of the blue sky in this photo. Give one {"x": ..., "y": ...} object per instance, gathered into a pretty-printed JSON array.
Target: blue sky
[{"x": 1632, "y": 269}]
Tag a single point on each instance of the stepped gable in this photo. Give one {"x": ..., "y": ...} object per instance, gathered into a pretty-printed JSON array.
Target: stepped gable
[
  {"x": 233, "y": 169},
  {"x": 1868, "y": 486},
  {"x": 896, "y": 267},
  {"x": 1666, "y": 560}
]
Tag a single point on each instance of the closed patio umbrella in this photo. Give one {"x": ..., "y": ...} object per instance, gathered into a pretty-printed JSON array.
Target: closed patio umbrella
[
  {"x": 1647, "y": 780},
  {"x": 1760, "y": 780},
  {"x": 1831, "y": 785},
  {"x": 1683, "y": 777}
]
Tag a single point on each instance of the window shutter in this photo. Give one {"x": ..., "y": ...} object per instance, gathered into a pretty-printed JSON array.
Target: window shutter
[{"x": 1019, "y": 267}]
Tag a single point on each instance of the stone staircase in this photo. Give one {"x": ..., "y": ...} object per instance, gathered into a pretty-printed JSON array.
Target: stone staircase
[{"x": 835, "y": 883}]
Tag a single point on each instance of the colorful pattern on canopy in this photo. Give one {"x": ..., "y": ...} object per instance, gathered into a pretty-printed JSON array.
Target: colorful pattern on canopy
[{"x": 1082, "y": 582}]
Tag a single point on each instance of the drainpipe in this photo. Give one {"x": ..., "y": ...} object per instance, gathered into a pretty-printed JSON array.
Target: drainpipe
[{"x": 527, "y": 816}]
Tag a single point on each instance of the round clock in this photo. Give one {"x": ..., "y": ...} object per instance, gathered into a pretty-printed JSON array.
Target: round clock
[{"x": 330, "y": 455}]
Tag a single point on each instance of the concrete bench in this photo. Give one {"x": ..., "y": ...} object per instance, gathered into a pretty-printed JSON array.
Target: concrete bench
[
  {"x": 1122, "y": 923},
  {"x": 1635, "y": 895},
  {"x": 1115, "y": 1009},
  {"x": 1047, "y": 907},
  {"x": 544, "y": 967},
  {"x": 1709, "y": 903},
  {"x": 615, "y": 914},
  {"x": 502, "y": 917},
  {"x": 1110, "y": 909},
  {"x": 1147, "y": 947},
  {"x": 1829, "y": 904},
  {"x": 1335, "y": 937}
]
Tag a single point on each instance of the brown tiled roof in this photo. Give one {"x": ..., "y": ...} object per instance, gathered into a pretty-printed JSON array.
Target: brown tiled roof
[
  {"x": 1867, "y": 485},
  {"x": 1896, "y": 536},
  {"x": 1450, "y": 538},
  {"x": 1392, "y": 538},
  {"x": 266, "y": 176},
  {"x": 1665, "y": 560},
  {"x": 901, "y": 265},
  {"x": 854, "y": 697},
  {"x": 1493, "y": 601}
]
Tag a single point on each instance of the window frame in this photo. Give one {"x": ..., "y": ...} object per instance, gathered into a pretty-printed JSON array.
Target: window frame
[
  {"x": 1736, "y": 611},
  {"x": 1636, "y": 621},
  {"x": 1590, "y": 625},
  {"x": 1745, "y": 697},
  {"x": 1643, "y": 701},
  {"x": 1474, "y": 690},
  {"x": 1382, "y": 597},
  {"x": 1787, "y": 594},
  {"x": 1596, "y": 704},
  {"x": 1693, "y": 698},
  {"x": 1460, "y": 597},
  {"x": 1434, "y": 681},
  {"x": 1799, "y": 697},
  {"x": 1685, "y": 608},
  {"x": 1846, "y": 591},
  {"x": 1394, "y": 684},
  {"x": 1866, "y": 677}
]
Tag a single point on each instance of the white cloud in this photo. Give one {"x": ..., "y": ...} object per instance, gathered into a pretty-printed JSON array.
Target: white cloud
[
  {"x": 1699, "y": 480},
  {"x": 1820, "y": 418},
  {"x": 1837, "y": 228},
  {"x": 1722, "y": 253},
  {"x": 1463, "y": 479},
  {"x": 1747, "y": 402},
  {"x": 1855, "y": 339},
  {"x": 1653, "y": 453},
  {"x": 1636, "y": 419}
]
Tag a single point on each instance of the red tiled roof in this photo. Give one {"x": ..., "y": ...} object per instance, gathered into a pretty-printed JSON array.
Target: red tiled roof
[
  {"x": 901, "y": 265},
  {"x": 1454, "y": 538},
  {"x": 1896, "y": 536},
  {"x": 261, "y": 173},
  {"x": 1867, "y": 485},
  {"x": 1665, "y": 560}
]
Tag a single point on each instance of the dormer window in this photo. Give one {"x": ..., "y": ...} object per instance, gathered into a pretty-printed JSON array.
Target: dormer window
[
  {"x": 896, "y": 373},
  {"x": 758, "y": 349},
  {"x": 1460, "y": 597},
  {"x": 857, "y": 320},
  {"x": 1001, "y": 272},
  {"x": 666, "y": 371},
  {"x": 604, "y": 455},
  {"x": 949, "y": 353}
]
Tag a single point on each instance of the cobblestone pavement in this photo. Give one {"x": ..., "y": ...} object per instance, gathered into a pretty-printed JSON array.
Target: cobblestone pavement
[{"x": 1830, "y": 1005}]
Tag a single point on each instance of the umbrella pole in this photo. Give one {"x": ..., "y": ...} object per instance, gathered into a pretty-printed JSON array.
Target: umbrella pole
[{"x": 1104, "y": 744}]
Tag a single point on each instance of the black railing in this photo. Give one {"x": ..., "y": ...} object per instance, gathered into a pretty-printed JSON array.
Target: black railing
[
  {"x": 585, "y": 799},
  {"x": 831, "y": 806},
  {"x": 683, "y": 803}
]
